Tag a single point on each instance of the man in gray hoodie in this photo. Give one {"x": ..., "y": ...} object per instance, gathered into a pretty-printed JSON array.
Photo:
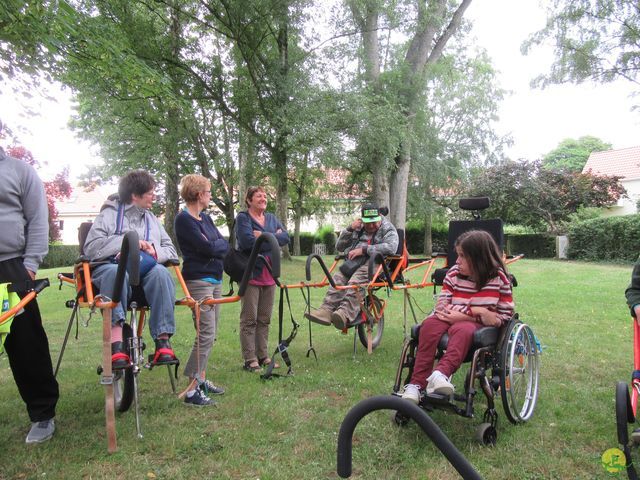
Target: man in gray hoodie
[
  {"x": 24, "y": 242},
  {"x": 365, "y": 237},
  {"x": 130, "y": 210}
]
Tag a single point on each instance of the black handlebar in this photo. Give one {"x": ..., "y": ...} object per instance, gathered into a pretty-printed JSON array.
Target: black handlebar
[
  {"x": 389, "y": 402},
  {"x": 130, "y": 258},
  {"x": 379, "y": 258},
  {"x": 326, "y": 271},
  {"x": 275, "y": 260}
]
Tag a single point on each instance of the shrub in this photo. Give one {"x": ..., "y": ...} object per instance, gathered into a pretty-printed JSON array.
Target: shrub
[
  {"x": 609, "y": 238},
  {"x": 306, "y": 243},
  {"x": 414, "y": 235},
  {"x": 327, "y": 235},
  {"x": 61, "y": 256},
  {"x": 533, "y": 245}
]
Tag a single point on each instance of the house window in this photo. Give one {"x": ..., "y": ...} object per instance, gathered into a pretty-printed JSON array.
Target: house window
[{"x": 61, "y": 225}]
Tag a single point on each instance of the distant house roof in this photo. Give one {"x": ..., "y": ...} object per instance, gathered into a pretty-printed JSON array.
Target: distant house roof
[
  {"x": 84, "y": 201},
  {"x": 623, "y": 163}
]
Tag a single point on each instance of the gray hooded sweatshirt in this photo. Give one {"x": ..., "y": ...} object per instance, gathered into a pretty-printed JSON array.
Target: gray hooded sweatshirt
[
  {"x": 24, "y": 216},
  {"x": 103, "y": 243}
]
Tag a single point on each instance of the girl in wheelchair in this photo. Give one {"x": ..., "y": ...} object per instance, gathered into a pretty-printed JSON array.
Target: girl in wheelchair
[{"x": 476, "y": 292}]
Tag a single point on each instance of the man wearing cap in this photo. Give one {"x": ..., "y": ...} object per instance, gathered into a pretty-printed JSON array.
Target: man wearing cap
[
  {"x": 365, "y": 237},
  {"x": 24, "y": 242}
]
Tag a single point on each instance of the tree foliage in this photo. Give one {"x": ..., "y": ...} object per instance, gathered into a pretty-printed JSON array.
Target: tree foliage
[
  {"x": 573, "y": 154},
  {"x": 526, "y": 193},
  {"x": 594, "y": 40}
]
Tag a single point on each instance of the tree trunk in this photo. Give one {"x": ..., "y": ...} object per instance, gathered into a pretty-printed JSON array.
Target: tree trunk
[
  {"x": 399, "y": 186},
  {"x": 428, "y": 239}
]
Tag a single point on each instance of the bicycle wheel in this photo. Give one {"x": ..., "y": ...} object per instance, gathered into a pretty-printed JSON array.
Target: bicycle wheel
[
  {"x": 123, "y": 379},
  {"x": 520, "y": 370},
  {"x": 377, "y": 327}
]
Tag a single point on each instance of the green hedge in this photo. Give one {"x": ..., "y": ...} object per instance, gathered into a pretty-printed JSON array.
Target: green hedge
[
  {"x": 609, "y": 238},
  {"x": 533, "y": 245},
  {"x": 61, "y": 256}
]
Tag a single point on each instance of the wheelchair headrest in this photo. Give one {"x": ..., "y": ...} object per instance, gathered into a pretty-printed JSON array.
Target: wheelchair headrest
[{"x": 474, "y": 203}]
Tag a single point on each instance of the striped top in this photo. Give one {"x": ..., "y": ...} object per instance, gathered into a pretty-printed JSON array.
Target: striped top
[{"x": 460, "y": 293}]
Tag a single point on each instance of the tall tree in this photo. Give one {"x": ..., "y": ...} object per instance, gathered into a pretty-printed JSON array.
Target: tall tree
[
  {"x": 427, "y": 26},
  {"x": 595, "y": 40},
  {"x": 572, "y": 155}
]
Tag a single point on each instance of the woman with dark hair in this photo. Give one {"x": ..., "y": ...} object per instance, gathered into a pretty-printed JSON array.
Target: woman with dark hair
[
  {"x": 476, "y": 292},
  {"x": 203, "y": 249},
  {"x": 257, "y": 303},
  {"x": 130, "y": 210}
]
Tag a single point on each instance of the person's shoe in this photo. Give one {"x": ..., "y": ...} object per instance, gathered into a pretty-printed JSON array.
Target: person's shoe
[
  {"x": 209, "y": 388},
  {"x": 41, "y": 431},
  {"x": 440, "y": 384},
  {"x": 252, "y": 366},
  {"x": 164, "y": 353},
  {"x": 320, "y": 316},
  {"x": 119, "y": 358},
  {"x": 338, "y": 320},
  {"x": 411, "y": 393},
  {"x": 198, "y": 399},
  {"x": 265, "y": 362}
]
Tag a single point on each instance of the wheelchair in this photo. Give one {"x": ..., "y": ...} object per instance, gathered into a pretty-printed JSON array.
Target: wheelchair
[{"x": 504, "y": 361}]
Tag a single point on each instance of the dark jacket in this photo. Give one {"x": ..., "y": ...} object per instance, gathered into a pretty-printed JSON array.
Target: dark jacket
[
  {"x": 203, "y": 247},
  {"x": 245, "y": 225}
]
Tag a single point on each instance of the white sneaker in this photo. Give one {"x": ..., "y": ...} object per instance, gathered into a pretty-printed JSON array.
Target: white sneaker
[
  {"x": 411, "y": 393},
  {"x": 440, "y": 384}
]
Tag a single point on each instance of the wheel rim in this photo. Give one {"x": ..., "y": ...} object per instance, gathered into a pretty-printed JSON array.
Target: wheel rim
[
  {"x": 521, "y": 373},
  {"x": 377, "y": 328}
]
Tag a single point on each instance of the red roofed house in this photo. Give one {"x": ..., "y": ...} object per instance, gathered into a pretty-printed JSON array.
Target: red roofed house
[{"x": 623, "y": 163}]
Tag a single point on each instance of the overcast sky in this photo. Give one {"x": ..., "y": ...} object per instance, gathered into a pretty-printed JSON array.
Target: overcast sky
[{"x": 537, "y": 119}]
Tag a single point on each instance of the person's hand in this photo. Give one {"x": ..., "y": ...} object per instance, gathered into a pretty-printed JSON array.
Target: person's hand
[
  {"x": 279, "y": 230},
  {"x": 487, "y": 317},
  {"x": 31, "y": 274},
  {"x": 257, "y": 233},
  {"x": 452, "y": 316},
  {"x": 356, "y": 252},
  {"x": 148, "y": 248},
  {"x": 356, "y": 225}
]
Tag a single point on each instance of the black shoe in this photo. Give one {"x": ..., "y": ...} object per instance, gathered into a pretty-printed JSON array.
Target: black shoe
[
  {"x": 164, "y": 353},
  {"x": 119, "y": 358}
]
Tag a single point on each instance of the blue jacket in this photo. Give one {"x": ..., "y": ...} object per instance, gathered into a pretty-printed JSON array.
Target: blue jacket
[
  {"x": 245, "y": 225},
  {"x": 203, "y": 247}
]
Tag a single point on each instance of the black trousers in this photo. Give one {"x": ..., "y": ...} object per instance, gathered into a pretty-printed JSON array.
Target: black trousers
[{"x": 28, "y": 350}]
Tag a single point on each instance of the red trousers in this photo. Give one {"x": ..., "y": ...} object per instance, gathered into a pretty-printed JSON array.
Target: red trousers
[{"x": 460, "y": 338}]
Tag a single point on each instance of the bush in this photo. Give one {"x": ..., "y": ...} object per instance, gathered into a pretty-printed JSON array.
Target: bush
[
  {"x": 414, "y": 235},
  {"x": 533, "y": 245},
  {"x": 306, "y": 243},
  {"x": 327, "y": 235},
  {"x": 610, "y": 238},
  {"x": 61, "y": 256}
]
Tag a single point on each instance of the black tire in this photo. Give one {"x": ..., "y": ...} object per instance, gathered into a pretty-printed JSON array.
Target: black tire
[
  {"x": 486, "y": 434},
  {"x": 377, "y": 327},
  {"x": 123, "y": 379},
  {"x": 399, "y": 419},
  {"x": 624, "y": 414},
  {"x": 519, "y": 372}
]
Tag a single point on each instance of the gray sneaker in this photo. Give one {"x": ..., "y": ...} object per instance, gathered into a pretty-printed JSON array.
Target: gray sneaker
[{"x": 41, "y": 431}]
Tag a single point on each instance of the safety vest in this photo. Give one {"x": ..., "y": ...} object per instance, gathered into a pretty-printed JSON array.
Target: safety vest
[{"x": 9, "y": 300}]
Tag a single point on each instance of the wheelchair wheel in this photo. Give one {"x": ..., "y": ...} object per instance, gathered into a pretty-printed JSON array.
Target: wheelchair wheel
[
  {"x": 377, "y": 328},
  {"x": 520, "y": 370},
  {"x": 624, "y": 413},
  {"x": 123, "y": 379}
]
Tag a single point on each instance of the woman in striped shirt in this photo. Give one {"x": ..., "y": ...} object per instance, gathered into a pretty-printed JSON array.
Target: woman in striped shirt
[{"x": 476, "y": 292}]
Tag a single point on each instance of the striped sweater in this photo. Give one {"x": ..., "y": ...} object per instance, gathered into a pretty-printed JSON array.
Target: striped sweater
[{"x": 460, "y": 293}]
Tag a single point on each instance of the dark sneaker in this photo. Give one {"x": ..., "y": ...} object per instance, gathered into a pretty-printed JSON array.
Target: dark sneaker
[
  {"x": 198, "y": 399},
  {"x": 119, "y": 358},
  {"x": 164, "y": 353},
  {"x": 209, "y": 388},
  {"x": 41, "y": 431}
]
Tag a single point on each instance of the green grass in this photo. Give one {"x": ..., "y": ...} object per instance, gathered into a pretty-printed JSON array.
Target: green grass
[{"x": 287, "y": 428}]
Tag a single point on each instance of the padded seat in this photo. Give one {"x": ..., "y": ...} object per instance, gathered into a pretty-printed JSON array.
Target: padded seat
[{"x": 483, "y": 337}]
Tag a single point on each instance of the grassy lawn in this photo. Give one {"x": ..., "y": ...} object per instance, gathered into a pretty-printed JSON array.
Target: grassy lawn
[{"x": 287, "y": 427}]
